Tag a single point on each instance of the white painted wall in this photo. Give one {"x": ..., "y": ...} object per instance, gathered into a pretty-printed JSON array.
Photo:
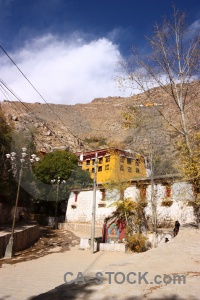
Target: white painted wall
[
  {"x": 181, "y": 192},
  {"x": 83, "y": 211}
]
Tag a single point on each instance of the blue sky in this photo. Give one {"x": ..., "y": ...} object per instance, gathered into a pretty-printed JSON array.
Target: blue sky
[{"x": 69, "y": 48}]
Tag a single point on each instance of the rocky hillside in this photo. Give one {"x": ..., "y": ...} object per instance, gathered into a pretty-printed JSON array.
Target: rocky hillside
[{"x": 101, "y": 123}]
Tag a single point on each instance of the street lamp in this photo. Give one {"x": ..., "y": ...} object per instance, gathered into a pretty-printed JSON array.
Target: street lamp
[
  {"x": 12, "y": 156},
  {"x": 57, "y": 182}
]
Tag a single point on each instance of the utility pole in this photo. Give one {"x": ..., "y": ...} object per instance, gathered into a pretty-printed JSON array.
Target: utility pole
[
  {"x": 153, "y": 196},
  {"x": 94, "y": 204}
]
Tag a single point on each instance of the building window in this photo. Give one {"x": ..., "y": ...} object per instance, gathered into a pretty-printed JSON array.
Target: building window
[
  {"x": 87, "y": 162},
  {"x": 92, "y": 170},
  {"x": 121, "y": 168},
  {"x": 100, "y": 169},
  {"x": 106, "y": 167},
  {"x": 137, "y": 162},
  {"x": 143, "y": 191},
  {"x": 108, "y": 158},
  {"x": 129, "y": 169},
  {"x": 121, "y": 159},
  {"x": 87, "y": 170},
  {"x": 93, "y": 161},
  {"x": 100, "y": 160},
  {"x": 137, "y": 170},
  {"x": 129, "y": 160},
  {"x": 168, "y": 191},
  {"x": 103, "y": 193},
  {"x": 76, "y": 196}
]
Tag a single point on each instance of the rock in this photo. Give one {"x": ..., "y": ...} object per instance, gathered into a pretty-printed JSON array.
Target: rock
[
  {"x": 47, "y": 133},
  {"x": 60, "y": 148},
  {"x": 36, "y": 125},
  {"x": 15, "y": 118},
  {"x": 20, "y": 128}
]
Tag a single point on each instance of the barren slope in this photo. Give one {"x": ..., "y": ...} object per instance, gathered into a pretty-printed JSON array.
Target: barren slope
[{"x": 100, "y": 123}]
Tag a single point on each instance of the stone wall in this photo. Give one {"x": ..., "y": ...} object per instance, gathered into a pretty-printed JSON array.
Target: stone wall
[
  {"x": 112, "y": 247},
  {"x": 83, "y": 228},
  {"x": 23, "y": 238}
]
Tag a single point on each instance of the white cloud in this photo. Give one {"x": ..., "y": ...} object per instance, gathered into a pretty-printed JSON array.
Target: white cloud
[
  {"x": 194, "y": 28},
  {"x": 63, "y": 70}
]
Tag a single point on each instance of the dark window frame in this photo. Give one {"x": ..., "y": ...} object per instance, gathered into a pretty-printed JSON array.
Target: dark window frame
[
  {"x": 100, "y": 161},
  {"x": 128, "y": 160},
  {"x": 129, "y": 170},
  {"x": 137, "y": 162},
  {"x": 121, "y": 168},
  {"x": 100, "y": 169},
  {"x": 87, "y": 162},
  {"x": 107, "y": 158}
]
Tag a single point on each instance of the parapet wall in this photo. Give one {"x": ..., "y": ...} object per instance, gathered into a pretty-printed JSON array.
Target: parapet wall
[
  {"x": 83, "y": 228},
  {"x": 23, "y": 238}
]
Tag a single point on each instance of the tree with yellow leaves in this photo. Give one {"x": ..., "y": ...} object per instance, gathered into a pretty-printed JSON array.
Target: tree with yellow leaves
[
  {"x": 190, "y": 167},
  {"x": 172, "y": 64}
]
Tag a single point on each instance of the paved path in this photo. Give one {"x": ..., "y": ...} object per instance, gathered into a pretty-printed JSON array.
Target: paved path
[{"x": 43, "y": 278}]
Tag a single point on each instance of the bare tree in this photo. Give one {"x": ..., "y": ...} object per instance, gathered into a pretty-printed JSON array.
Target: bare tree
[{"x": 173, "y": 65}]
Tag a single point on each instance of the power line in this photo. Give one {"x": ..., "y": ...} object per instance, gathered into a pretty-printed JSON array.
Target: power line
[
  {"x": 39, "y": 93},
  {"x": 13, "y": 104},
  {"x": 27, "y": 108}
]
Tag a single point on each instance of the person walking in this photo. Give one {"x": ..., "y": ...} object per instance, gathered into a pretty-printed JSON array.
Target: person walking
[{"x": 176, "y": 228}]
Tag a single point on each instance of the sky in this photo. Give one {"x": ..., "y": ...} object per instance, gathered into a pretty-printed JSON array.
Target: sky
[{"x": 69, "y": 49}]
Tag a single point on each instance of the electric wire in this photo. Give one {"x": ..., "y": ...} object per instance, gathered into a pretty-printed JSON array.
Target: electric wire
[
  {"x": 39, "y": 93},
  {"x": 17, "y": 108},
  {"x": 27, "y": 109}
]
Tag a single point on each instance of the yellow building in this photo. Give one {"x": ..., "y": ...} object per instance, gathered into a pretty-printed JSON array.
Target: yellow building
[{"x": 113, "y": 164}]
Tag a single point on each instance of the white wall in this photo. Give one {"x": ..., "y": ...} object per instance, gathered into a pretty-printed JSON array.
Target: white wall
[
  {"x": 181, "y": 192},
  {"x": 83, "y": 211}
]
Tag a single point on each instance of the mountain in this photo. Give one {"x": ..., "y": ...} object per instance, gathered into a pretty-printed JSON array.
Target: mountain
[{"x": 103, "y": 122}]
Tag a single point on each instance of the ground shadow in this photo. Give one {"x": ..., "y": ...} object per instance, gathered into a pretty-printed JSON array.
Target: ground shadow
[
  {"x": 83, "y": 291},
  {"x": 171, "y": 297},
  {"x": 50, "y": 241},
  {"x": 69, "y": 291}
]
